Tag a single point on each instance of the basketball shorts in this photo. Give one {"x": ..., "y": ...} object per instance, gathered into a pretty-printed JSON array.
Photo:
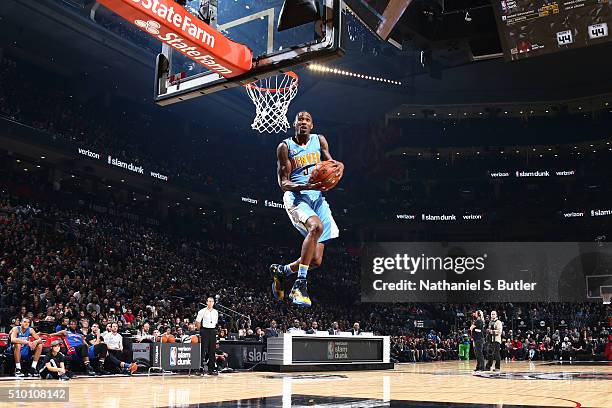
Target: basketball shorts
[
  {"x": 300, "y": 207},
  {"x": 25, "y": 351},
  {"x": 91, "y": 353}
]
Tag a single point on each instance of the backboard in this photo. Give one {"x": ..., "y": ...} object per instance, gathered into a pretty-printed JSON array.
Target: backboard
[
  {"x": 599, "y": 286},
  {"x": 254, "y": 24}
]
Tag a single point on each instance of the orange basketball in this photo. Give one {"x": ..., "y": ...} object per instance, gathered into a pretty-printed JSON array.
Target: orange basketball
[
  {"x": 329, "y": 173},
  {"x": 194, "y": 339},
  {"x": 168, "y": 338}
]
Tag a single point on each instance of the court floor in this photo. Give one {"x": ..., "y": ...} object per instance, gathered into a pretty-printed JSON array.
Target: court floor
[{"x": 444, "y": 384}]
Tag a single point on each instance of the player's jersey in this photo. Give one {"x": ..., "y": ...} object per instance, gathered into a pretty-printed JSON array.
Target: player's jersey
[
  {"x": 303, "y": 160},
  {"x": 74, "y": 339},
  {"x": 23, "y": 336}
]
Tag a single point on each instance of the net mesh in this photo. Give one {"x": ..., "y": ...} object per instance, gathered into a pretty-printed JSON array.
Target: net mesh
[{"x": 272, "y": 97}]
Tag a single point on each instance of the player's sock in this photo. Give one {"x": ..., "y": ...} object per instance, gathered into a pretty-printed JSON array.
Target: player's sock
[
  {"x": 18, "y": 366},
  {"x": 303, "y": 271},
  {"x": 34, "y": 364},
  {"x": 287, "y": 269}
]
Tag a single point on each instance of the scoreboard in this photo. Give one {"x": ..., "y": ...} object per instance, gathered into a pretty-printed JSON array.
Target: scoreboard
[{"x": 531, "y": 28}]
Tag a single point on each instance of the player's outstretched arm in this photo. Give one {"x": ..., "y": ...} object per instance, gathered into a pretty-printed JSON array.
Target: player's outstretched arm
[{"x": 284, "y": 170}]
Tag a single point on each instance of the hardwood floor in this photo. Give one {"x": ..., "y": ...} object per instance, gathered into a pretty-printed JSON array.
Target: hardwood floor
[{"x": 447, "y": 384}]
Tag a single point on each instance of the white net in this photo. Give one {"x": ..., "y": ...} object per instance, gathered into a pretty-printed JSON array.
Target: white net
[{"x": 272, "y": 97}]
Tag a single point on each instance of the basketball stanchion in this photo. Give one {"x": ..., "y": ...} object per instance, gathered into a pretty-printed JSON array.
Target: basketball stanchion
[{"x": 272, "y": 96}]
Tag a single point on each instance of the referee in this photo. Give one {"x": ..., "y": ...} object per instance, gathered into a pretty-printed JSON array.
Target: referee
[{"x": 206, "y": 322}]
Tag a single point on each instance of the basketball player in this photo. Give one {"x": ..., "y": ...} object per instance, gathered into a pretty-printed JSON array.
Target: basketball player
[
  {"x": 23, "y": 348},
  {"x": 305, "y": 205}
]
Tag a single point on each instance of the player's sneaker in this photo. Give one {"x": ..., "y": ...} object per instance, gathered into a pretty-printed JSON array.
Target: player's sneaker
[
  {"x": 89, "y": 370},
  {"x": 299, "y": 293},
  {"x": 18, "y": 373},
  {"x": 34, "y": 373},
  {"x": 278, "y": 278},
  {"x": 64, "y": 377}
]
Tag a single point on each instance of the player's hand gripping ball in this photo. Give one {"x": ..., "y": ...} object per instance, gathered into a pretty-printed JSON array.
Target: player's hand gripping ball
[{"x": 328, "y": 173}]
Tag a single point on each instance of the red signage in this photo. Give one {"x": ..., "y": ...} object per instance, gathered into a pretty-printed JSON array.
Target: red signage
[{"x": 171, "y": 24}]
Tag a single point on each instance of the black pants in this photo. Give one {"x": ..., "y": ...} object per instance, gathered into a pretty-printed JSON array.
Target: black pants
[
  {"x": 479, "y": 353},
  {"x": 209, "y": 341},
  {"x": 494, "y": 354}
]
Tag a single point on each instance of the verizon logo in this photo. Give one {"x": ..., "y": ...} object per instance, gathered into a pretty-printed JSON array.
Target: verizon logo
[
  {"x": 89, "y": 153},
  {"x": 249, "y": 200},
  {"x": 471, "y": 217},
  {"x": 405, "y": 216},
  {"x": 565, "y": 173},
  {"x": 573, "y": 214},
  {"x": 500, "y": 174},
  {"x": 159, "y": 176}
]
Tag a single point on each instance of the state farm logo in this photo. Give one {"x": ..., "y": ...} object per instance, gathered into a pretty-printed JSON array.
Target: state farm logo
[{"x": 151, "y": 27}]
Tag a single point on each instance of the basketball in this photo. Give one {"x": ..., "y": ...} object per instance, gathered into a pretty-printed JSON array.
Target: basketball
[
  {"x": 168, "y": 338},
  {"x": 194, "y": 339},
  {"x": 329, "y": 173}
]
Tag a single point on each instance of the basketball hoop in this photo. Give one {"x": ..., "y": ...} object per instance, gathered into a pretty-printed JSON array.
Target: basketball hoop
[{"x": 272, "y": 97}]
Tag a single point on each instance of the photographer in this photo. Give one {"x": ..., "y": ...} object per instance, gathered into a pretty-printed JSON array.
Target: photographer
[
  {"x": 477, "y": 329},
  {"x": 494, "y": 333}
]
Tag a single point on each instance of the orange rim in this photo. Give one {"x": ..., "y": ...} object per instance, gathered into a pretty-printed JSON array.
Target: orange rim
[{"x": 294, "y": 83}]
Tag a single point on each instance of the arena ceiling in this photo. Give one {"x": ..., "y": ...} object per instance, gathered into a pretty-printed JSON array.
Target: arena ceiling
[{"x": 64, "y": 44}]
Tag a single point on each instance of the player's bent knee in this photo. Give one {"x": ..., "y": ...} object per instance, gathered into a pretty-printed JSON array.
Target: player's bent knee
[
  {"x": 316, "y": 262},
  {"x": 315, "y": 228}
]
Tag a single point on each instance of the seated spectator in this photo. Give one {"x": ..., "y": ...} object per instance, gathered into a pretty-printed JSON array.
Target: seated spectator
[
  {"x": 144, "y": 334},
  {"x": 55, "y": 364},
  {"x": 334, "y": 329},
  {"x": 314, "y": 326},
  {"x": 114, "y": 342},
  {"x": 272, "y": 331},
  {"x": 98, "y": 349},
  {"x": 221, "y": 357},
  {"x": 260, "y": 334},
  {"x": 355, "y": 331},
  {"x": 63, "y": 325},
  {"x": 77, "y": 347},
  {"x": 22, "y": 347},
  {"x": 296, "y": 328}
]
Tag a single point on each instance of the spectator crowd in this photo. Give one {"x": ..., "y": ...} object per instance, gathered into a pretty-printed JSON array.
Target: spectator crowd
[{"x": 68, "y": 271}]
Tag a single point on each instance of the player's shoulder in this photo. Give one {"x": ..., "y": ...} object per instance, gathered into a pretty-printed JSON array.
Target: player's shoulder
[{"x": 282, "y": 149}]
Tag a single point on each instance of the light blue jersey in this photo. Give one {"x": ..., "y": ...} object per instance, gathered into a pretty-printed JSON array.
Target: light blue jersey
[
  {"x": 302, "y": 205},
  {"x": 303, "y": 161}
]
